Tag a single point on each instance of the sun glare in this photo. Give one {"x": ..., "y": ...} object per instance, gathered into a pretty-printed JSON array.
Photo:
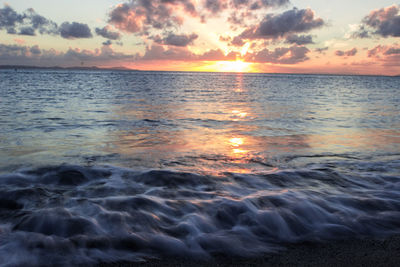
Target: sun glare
[
  {"x": 234, "y": 66},
  {"x": 228, "y": 66}
]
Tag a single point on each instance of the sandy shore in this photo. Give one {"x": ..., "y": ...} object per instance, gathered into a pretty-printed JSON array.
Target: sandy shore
[{"x": 365, "y": 252}]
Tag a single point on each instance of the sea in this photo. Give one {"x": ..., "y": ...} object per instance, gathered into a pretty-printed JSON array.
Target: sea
[{"x": 111, "y": 166}]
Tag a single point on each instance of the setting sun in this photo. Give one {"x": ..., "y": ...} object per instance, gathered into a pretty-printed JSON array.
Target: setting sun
[
  {"x": 228, "y": 66},
  {"x": 234, "y": 66}
]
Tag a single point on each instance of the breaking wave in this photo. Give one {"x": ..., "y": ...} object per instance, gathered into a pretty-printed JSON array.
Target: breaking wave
[{"x": 84, "y": 215}]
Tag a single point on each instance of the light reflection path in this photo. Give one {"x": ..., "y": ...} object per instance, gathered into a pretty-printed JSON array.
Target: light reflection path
[{"x": 198, "y": 122}]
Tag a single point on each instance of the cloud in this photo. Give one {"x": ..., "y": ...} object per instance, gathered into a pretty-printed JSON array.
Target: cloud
[
  {"x": 217, "y": 55},
  {"x": 25, "y": 55},
  {"x": 384, "y": 22},
  {"x": 321, "y": 50},
  {"x": 280, "y": 55},
  {"x": 392, "y": 51},
  {"x": 275, "y": 26},
  {"x": 384, "y": 50},
  {"x": 225, "y": 38},
  {"x": 12, "y": 51},
  {"x": 29, "y": 23},
  {"x": 142, "y": 15},
  {"x": 25, "y": 24},
  {"x": 217, "y": 6},
  {"x": 237, "y": 41},
  {"x": 107, "y": 43},
  {"x": 35, "y": 50},
  {"x": 388, "y": 55},
  {"x": 181, "y": 40},
  {"x": 106, "y": 32},
  {"x": 349, "y": 53},
  {"x": 158, "y": 53},
  {"x": 362, "y": 32},
  {"x": 75, "y": 30},
  {"x": 40, "y": 23},
  {"x": 299, "y": 39},
  {"x": 27, "y": 31},
  {"x": 9, "y": 18}
]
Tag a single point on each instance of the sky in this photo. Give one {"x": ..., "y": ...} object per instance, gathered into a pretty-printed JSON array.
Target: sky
[{"x": 272, "y": 36}]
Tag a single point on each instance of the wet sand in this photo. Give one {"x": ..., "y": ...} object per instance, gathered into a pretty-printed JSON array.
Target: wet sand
[{"x": 364, "y": 252}]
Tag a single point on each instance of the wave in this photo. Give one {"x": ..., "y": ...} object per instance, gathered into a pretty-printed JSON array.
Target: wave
[{"x": 71, "y": 215}]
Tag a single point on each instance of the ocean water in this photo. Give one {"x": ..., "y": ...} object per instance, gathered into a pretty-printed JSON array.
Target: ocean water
[{"x": 103, "y": 166}]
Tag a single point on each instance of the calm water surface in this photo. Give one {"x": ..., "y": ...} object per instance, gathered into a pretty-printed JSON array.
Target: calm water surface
[
  {"x": 119, "y": 165},
  {"x": 201, "y": 122}
]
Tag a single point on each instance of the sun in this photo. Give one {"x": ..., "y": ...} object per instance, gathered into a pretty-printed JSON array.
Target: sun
[
  {"x": 228, "y": 66},
  {"x": 234, "y": 66}
]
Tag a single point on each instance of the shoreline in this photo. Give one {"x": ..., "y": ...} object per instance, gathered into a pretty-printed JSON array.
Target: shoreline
[{"x": 352, "y": 252}]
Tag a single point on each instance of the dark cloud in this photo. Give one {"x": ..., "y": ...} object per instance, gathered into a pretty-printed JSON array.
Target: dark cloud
[
  {"x": 27, "y": 31},
  {"x": 280, "y": 55},
  {"x": 35, "y": 50},
  {"x": 217, "y": 55},
  {"x": 9, "y": 18},
  {"x": 287, "y": 24},
  {"x": 299, "y": 39},
  {"x": 384, "y": 22},
  {"x": 25, "y": 24},
  {"x": 107, "y": 33},
  {"x": 11, "y": 31},
  {"x": 321, "y": 50},
  {"x": 392, "y": 51},
  {"x": 241, "y": 11},
  {"x": 75, "y": 30},
  {"x": 181, "y": 40},
  {"x": 29, "y": 23},
  {"x": 12, "y": 51},
  {"x": 384, "y": 50},
  {"x": 387, "y": 55},
  {"x": 217, "y": 6},
  {"x": 292, "y": 21},
  {"x": 142, "y": 15},
  {"x": 237, "y": 41},
  {"x": 362, "y": 33},
  {"x": 159, "y": 52},
  {"x": 25, "y": 55},
  {"x": 188, "y": 5},
  {"x": 348, "y": 53},
  {"x": 107, "y": 43},
  {"x": 40, "y": 23}
]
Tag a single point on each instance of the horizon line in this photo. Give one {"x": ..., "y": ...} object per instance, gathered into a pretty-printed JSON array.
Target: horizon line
[{"x": 122, "y": 68}]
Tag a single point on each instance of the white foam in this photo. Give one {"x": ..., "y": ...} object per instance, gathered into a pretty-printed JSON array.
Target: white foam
[{"x": 88, "y": 215}]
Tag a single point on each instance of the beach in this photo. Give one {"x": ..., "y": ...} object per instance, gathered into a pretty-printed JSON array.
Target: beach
[{"x": 363, "y": 252}]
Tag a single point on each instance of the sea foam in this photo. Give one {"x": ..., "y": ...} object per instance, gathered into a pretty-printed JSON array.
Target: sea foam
[{"x": 79, "y": 215}]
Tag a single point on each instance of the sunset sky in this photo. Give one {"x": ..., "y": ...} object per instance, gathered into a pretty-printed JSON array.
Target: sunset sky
[{"x": 290, "y": 36}]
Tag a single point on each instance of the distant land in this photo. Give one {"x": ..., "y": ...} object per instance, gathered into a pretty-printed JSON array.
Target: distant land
[
  {"x": 64, "y": 68},
  {"x": 128, "y": 69}
]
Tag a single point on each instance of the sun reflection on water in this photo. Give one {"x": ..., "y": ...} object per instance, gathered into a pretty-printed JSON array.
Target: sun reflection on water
[{"x": 236, "y": 141}]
